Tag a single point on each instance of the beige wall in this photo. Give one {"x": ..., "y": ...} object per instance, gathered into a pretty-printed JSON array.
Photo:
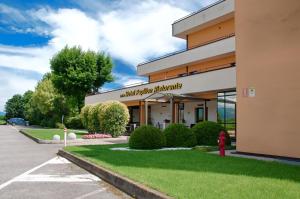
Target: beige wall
[
  {"x": 223, "y": 79},
  {"x": 214, "y": 64},
  {"x": 268, "y": 58},
  {"x": 211, "y": 33}
]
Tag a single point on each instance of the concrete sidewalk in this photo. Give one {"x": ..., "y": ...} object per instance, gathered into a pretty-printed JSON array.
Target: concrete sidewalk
[{"x": 234, "y": 153}]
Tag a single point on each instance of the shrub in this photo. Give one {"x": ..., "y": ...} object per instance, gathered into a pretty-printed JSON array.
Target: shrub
[
  {"x": 113, "y": 117},
  {"x": 147, "y": 137},
  {"x": 74, "y": 122},
  {"x": 84, "y": 115},
  {"x": 178, "y": 135},
  {"x": 93, "y": 120},
  {"x": 49, "y": 122},
  {"x": 207, "y": 133},
  {"x": 59, "y": 125}
]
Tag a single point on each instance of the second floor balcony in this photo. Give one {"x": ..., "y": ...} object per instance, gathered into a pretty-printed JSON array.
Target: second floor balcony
[{"x": 217, "y": 48}]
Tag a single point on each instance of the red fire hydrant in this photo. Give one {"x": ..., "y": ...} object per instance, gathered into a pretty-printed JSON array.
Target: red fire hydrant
[{"x": 221, "y": 141}]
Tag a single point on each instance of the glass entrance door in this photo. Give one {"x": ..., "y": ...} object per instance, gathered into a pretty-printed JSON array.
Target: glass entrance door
[{"x": 199, "y": 114}]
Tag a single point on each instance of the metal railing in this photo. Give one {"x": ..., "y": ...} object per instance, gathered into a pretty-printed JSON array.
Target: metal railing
[
  {"x": 198, "y": 11},
  {"x": 185, "y": 50}
]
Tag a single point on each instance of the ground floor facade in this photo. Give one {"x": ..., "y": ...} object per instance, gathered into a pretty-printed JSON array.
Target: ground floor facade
[{"x": 191, "y": 99}]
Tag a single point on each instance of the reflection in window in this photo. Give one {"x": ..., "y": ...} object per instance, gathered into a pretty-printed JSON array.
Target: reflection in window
[{"x": 227, "y": 111}]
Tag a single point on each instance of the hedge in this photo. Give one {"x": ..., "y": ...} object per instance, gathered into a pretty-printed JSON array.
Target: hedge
[
  {"x": 178, "y": 135},
  {"x": 147, "y": 137},
  {"x": 93, "y": 120},
  {"x": 207, "y": 133},
  {"x": 113, "y": 117},
  {"x": 84, "y": 115},
  {"x": 74, "y": 122}
]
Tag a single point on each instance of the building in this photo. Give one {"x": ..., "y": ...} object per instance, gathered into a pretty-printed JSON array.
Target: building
[{"x": 239, "y": 68}]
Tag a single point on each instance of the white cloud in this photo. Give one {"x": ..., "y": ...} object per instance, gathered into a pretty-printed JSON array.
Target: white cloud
[
  {"x": 130, "y": 30},
  {"x": 71, "y": 27},
  {"x": 26, "y": 58},
  {"x": 15, "y": 14},
  {"x": 14, "y": 84},
  {"x": 140, "y": 31},
  {"x": 128, "y": 80},
  {"x": 132, "y": 34}
]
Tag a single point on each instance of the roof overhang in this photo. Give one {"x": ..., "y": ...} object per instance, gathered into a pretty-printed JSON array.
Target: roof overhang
[{"x": 211, "y": 15}]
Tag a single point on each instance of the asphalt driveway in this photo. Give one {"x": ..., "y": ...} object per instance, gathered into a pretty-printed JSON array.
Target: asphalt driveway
[{"x": 31, "y": 170}]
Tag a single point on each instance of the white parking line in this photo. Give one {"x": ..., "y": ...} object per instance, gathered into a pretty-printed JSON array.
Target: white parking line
[
  {"x": 59, "y": 160},
  {"x": 24, "y": 174},
  {"x": 90, "y": 194},
  {"x": 26, "y": 177},
  {"x": 58, "y": 178}
]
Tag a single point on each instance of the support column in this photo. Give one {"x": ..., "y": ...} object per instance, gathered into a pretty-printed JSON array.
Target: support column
[
  {"x": 146, "y": 112},
  {"x": 142, "y": 113},
  {"x": 176, "y": 112},
  {"x": 205, "y": 111},
  {"x": 172, "y": 110}
]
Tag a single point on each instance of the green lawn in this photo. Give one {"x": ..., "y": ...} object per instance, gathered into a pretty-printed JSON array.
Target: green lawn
[
  {"x": 2, "y": 122},
  {"x": 195, "y": 174},
  {"x": 47, "y": 134}
]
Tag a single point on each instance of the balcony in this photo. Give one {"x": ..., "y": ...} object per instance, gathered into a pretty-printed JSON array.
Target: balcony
[
  {"x": 221, "y": 79},
  {"x": 221, "y": 47},
  {"x": 213, "y": 14}
]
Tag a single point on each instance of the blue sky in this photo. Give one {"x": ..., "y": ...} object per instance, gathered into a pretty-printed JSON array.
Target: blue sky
[{"x": 131, "y": 31}]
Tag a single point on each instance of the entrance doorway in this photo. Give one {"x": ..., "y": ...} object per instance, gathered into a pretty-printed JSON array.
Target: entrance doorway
[{"x": 199, "y": 114}]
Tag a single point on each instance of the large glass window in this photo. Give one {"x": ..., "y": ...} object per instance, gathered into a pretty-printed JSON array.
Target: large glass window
[{"x": 227, "y": 111}]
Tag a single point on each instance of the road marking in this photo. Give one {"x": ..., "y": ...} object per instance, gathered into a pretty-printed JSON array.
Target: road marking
[
  {"x": 24, "y": 174},
  {"x": 59, "y": 160},
  {"x": 90, "y": 194},
  {"x": 25, "y": 177},
  {"x": 58, "y": 178}
]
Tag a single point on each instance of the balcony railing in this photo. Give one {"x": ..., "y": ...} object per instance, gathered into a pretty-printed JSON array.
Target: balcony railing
[
  {"x": 182, "y": 51},
  {"x": 198, "y": 11}
]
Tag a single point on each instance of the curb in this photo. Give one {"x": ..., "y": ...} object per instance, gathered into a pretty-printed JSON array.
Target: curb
[
  {"x": 130, "y": 187},
  {"x": 33, "y": 138},
  {"x": 39, "y": 141}
]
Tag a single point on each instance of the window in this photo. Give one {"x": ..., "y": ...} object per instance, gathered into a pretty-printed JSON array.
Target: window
[{"x": 227, "y": 111}]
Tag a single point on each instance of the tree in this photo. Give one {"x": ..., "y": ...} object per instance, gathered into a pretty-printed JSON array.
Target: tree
[
  {"x": 27, "y": 96},
  {"x": 76, "y": 73},
  {"x": 51, "y": 105},
  {"x": 14, "y": 107}
]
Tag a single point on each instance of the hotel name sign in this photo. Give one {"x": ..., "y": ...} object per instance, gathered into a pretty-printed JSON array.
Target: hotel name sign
[{"x": 154, "y": 89}]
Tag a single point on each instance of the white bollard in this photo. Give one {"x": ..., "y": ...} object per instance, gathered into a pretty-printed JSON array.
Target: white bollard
[
  {"x": 56, "y": 138},
  {"x": 71, "y": 136}
]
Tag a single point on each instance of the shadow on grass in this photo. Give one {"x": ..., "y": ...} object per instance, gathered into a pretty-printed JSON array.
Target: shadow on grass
[{"x": 189, "y": 161}]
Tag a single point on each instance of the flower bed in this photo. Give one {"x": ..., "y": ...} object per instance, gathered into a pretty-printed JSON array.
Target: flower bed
[{"x": 96, "y": 136}]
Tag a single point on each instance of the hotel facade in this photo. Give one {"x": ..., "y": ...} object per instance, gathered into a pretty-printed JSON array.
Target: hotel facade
[{"x": 240, "y": 68}]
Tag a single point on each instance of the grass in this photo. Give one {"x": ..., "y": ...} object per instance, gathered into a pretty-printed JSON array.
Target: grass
[
  {"x": 195, "y": 174},
  {"x": 47, "y": 134},
  {"x": 2, "y": 122}
]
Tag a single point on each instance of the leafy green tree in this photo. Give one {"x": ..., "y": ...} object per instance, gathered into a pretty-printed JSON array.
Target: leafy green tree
[
  {"x": 14, "y": 107},
  {"x": 76, "y": 72},
  {"x": 27, "y": 96},
  {"x": 48, "y": 104}
]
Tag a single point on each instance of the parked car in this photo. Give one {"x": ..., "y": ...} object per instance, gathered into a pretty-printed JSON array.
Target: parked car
[{"x": 17, "y": 121}]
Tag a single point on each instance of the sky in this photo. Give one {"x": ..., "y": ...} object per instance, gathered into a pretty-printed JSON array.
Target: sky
[{"x": 131, "y": 31}]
